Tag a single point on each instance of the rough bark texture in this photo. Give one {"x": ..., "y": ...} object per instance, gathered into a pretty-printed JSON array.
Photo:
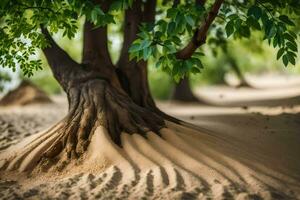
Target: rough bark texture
[
  {"x": 96, "y": 103},
  {"x": 26, "y": 93},
  {"x": 96, "y": 98}
]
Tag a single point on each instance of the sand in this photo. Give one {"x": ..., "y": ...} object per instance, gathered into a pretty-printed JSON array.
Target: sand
[
  {"x": 240, "y": 152},
  {"x": 26, "y": 93}
]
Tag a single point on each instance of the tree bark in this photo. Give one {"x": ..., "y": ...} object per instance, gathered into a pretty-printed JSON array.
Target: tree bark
[{"x": 133, "y": 75}]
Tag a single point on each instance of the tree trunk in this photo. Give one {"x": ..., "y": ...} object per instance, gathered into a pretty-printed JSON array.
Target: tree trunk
[
  {"x": 100, "y": 97},
  {"x": 96, "y": 99},
  {"x": 239, "y": 74},
  {"x": 133, "y": 75},
  {"x": 183, "y": 92}
]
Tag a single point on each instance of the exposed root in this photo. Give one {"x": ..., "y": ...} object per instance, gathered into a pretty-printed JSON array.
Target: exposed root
[
  {"x": 143, "y": 155},
  {"x": 182, "y": 163},
  {"x": 92, "y": 104}
]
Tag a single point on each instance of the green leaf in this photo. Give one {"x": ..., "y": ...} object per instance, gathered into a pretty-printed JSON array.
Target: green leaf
[
  {"x": 275, "y": 41},
  {"x": 270, "y": 29},
  {"x": 286, "y": 20},
  {"x": 291, "y": 46},
  {"x": 253, "y": 23},
  {"x": 176, "y": 40},
  {"x": 159, "y": 62},
  {"x": 289, "y": 37},
  {"x": 285, "y": 60},
  {"x": 195, "y": 70},
  {"x": 145, "y": 44},
  {"x": 233, "y": 17},
  {"x": 190, "y": 20},
  {"x": 255, "y": 11},
  {"x": 280, "y": 53},
  {"x": 116, "y": 5},
  {"x": 294, "y": 35},
  {"x": 135, "y": 47},
  {"x": 171, "y": 13},
  {"x": 229, "y": 28},
  {"x": 291, "y": 58},
  {"x": 171, "y": 28},
  {"x": 146, "y": 53},
  {"x": 245, "y": 31}
]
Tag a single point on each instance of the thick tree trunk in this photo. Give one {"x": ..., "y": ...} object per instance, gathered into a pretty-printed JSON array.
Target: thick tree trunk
[{"x": 183, "y": 92}]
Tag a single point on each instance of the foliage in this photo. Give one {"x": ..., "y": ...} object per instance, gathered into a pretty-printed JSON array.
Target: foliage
[
  {"x": 270, "y": 18},
  {"x": 162, "y": 40},
  {"x": 176, "y": 25},
  {"x": 20, "y": 23},
  {"x": 275, "y": 19}
]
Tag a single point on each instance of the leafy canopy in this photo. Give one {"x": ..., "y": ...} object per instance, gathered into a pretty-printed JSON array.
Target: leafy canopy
[{"x": 175, "y": 26}]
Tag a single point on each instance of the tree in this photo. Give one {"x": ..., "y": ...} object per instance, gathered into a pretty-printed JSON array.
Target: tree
[
  {"x": 235, "y": 68},
  {"x": 116, "y": 97}
]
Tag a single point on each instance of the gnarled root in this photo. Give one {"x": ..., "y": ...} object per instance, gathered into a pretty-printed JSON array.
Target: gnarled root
[{"x": 93, "y": 103}]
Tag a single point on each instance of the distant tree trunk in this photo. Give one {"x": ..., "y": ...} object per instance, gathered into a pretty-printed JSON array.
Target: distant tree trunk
[
  {"x": 243, "y": 82},
  {"x": 183, "y": 92}
]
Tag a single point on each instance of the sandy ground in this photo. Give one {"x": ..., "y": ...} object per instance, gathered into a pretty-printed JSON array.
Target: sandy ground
[{"x": 248, "y": 148}]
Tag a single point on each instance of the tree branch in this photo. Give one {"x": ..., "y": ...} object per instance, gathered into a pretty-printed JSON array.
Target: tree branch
[
  {"x": 95, "y": 47},
  {"x": 199, "y": 37},
  {"x": 149, "y": 11},
  {"x": 61, "y": 64},
  {"x": 133, "y": 17}
]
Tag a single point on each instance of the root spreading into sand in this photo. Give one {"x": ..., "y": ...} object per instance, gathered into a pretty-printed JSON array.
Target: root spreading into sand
[
  {"x": 181, "y": 164},
  {"x": 250, "y": 154}
]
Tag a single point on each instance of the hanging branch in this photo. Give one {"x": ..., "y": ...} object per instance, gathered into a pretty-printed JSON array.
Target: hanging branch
[{"x": 61, "y": 64}]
